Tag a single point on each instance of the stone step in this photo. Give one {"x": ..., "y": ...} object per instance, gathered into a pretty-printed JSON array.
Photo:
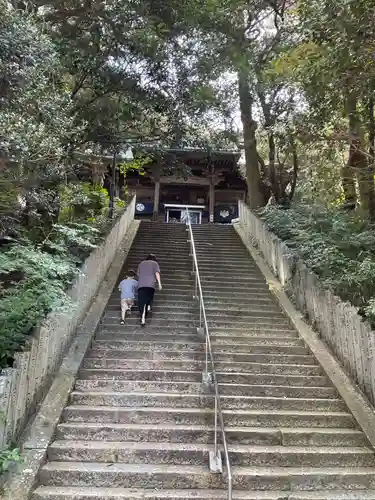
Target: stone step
[
  {"x": 216, "y": 339},
  {"x": 161, "y": 233},
  {"x": 217, "y": 240},
  {"x": 167, "y": 265},
  {"x": 205, "y": 416},
  {"x": 113, "y": 355},
  {"x": 163, "y": 254},
  {"x": 228, "y": 315},
  {"x": 103, "y": 336},
  {"x": 113, "y": 349},
  {"x": 258, "y": 344},
  {"x": 198, "y": 454},
  {"x": 178, "y": 291},
  {"x": 194, "y": 365},
  {"x": 187, "y": 301},
  {"x": 333, "y": 495},
  {"x": 179, "y": 400},
  {"x": 210, "y": 284},
  {"x": 163, "y": 249},
  {"x": 227, "y": 274},
  {"x": 181, "y": 255},
  {"x": 262, "y": 294},
  {"x": 226, "y": 286},
  {"x": 166, "y": 296},
  {"x": 223, "y": 308},
  {"x": 153, "y": 241},
  {"x": 174, "y": 297},
  {"x": 259, "y": 340},
  {"x": 251, "y": 329},
  {"x": 113, "y": 327},
  {"x": 195, "y": 477},
  {"x": 220, "y": 331},
  {"x": 87, "y": 493},
  {"x": 160, "y": 375},
  {"x": 122, "y": 334},
  {"x": 171, "y": 433},
  {"x": 185, "y": 280},
  {"x": 163, "y": 320},
  {"x": 236, "y": 281},
  {"x": 196, "y": 376},
  {"x": 105, "y": 385},
  {"x": 252, "y": 347},
  {"x": 226, "y": 252},
  {"x": 206, "y": 256},
  {"x": 144, "y": 238}
]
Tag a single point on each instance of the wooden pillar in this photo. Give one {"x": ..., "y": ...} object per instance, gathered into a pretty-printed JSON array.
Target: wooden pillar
[
  {"x": 156, "y": 199},
  {"x": 212, "y": 201}
]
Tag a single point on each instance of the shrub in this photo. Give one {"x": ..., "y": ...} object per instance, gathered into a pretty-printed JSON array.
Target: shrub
[
  {"x": 9, "y": 457},
  {"x": 338, "y": 247},
  {"x": 43, "y": 274}
]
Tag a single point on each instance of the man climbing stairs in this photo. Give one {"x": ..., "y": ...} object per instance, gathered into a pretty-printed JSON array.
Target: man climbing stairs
[{"x": 139, "y": 424}]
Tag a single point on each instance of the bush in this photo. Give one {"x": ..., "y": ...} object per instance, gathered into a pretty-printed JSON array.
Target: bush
[
  {"x": 82, "y": 201},
  {"x": 9, "y": 457},
  {"x": 338, "y": 247},
  {"x": 43, "y": 274}
]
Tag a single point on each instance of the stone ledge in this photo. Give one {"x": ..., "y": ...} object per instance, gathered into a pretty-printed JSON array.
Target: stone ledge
[{"x": 41, "y": 430}]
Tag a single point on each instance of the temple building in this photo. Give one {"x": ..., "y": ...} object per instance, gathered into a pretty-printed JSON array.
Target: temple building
[{"x": 207, "y": 183}]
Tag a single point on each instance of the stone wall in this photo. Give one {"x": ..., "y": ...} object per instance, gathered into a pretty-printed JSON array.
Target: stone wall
[
  {"x": 23, "y": 386},
  {"x": 338, "y": 323}
]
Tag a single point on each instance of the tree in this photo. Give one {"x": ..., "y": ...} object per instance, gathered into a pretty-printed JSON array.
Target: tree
[
  {"x": 332, "y": 62},
  {"x": 35, "y": 123},
  {"x": 143, "y": 55}
]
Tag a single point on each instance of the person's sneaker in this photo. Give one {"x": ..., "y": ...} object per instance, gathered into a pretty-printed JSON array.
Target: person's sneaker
[
  {"x": 143, "y": 317},
  {"x": 122, "y": 322},
  {"x": 149, "y": 309}
]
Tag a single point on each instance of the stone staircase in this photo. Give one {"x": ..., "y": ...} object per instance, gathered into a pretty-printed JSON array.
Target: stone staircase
[{"x": 140, "y": 426}]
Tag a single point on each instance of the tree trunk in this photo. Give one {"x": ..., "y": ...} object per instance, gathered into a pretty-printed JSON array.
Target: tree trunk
[
  {"x": 255, "y": 197},
  {"x": 371, "y": 162},
  {"x": 295, "y": 171},
  {"x": 274, "y": 177},
  {"x": 348, "y": 185},
  {"x": 357, "y": 161}
]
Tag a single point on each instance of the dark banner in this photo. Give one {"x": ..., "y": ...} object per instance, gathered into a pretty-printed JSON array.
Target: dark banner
[
  {"x": 144, "y": 208},
  {"x": 224, "y": 214}
]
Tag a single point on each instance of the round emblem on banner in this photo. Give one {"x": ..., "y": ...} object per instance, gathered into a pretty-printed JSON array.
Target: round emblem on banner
[
  {"x": 140, "y": 207},
  {"x": 224, "y": 214}
]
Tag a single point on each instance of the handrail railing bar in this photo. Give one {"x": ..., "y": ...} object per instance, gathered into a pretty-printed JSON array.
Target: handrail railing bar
[{"x": 218, "y": 409}]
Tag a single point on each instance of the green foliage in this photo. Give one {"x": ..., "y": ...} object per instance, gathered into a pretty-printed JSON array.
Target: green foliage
[
  {"x": 35, "y": 125},
  {"x": 9, "y": 457},
  {"x": 82, "y": 201},
  {"x": 33, "y": 281},
  {"x": 138, "y": 163},
  {"x": 336, "y": 246}
]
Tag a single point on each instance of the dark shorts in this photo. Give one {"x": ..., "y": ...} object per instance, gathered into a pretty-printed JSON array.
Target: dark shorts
[{"x": 145, "y": 297}]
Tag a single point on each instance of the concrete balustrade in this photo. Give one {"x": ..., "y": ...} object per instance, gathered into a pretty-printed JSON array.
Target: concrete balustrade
[{"x": 340, "y": 326}]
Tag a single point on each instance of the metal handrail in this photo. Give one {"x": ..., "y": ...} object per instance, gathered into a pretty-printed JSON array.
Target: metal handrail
[{"x": 198, "y": 293}]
